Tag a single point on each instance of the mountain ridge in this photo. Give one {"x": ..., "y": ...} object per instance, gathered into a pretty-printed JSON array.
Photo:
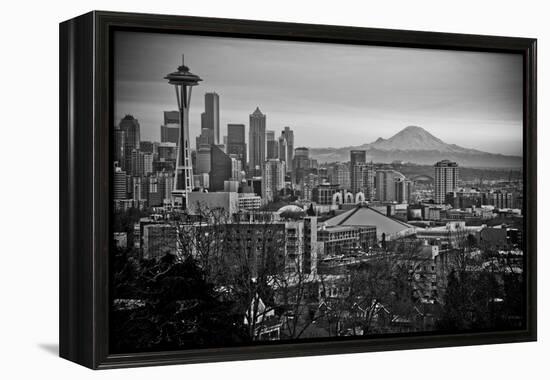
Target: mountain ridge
[{"x": 415, "y": 144}]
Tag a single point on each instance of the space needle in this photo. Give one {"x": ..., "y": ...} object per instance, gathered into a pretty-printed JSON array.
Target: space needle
[{"x": 183, "y": 81}]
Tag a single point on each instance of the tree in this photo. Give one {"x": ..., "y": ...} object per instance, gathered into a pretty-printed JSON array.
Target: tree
[
  {"x": 483, "y": 288},
  {"x": 172, "y": 307}
]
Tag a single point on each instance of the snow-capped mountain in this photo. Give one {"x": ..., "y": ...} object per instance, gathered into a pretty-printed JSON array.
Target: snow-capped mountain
[{"x": 415, "y": 144}]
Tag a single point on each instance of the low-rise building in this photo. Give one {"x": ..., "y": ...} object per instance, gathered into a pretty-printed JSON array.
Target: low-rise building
[
  {"x": 387, "y": 228},
  {"x": 453, "y": 233},
  {"x": 338, "y": 240},
  {"x": 249, "y": 201},
  {"x": 324, "y": 193},
  {"x": 227, "y": 201}
]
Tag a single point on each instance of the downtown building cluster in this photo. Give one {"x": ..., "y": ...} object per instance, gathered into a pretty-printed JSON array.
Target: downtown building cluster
[{"x": 267, "y": 174}]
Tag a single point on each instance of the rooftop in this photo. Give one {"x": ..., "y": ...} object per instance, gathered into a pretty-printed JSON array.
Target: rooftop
[{"x": 363, "y": 215}]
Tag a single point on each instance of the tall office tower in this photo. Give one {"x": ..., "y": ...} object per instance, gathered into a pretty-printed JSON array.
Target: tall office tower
[
  {"x": 148, "y": 159},
  {"x": 221, "y": 168},
  {"x": 210, "y": 118},
  {"x": 136, "y": 163},
  {"x": 205, "y": 138},
  {"x": 301, "y": 164},
  {"x": 403, "y": 190},
  {"x": 256, "y": 142},
  {"x": 236, "y": 142},
  {"x": 137, "y": 189},
  {"x": 309, "y": 182},
  {"x": 357, "y": 159},
  {"x": 204, "y": 162},
  {"x": 283, "y": 149},
  {"x": 183, "y": 81},
  {"x": 120, "y": 148},
  {"x": 147, "y": 147},
  {"x": 446, "y": 180},
  {"x": 169, "y": 132},
  {"x": 154, "y": 193},
  {"x": 167, "y": 151},
  {"x": 171, "y": 117},
  {"x": 272, "y": 149},
  {"x": 385, "y": 184},
  {"x": 288, "y": 135},
  {"x": 367, "y": 176},
  {"x": 273, "y": 178},
  {"x": 341, "y": 175},
  {"x": 166, "y": 184},
  {"x": 120, "y": 184},
  {"x": 301, "y": 155},
  {"x": 272, "y": 146},
  {"x": 130, "y": 126},
  {"x": 236, "y": 168},
  {"x": 358, "y": 156}
]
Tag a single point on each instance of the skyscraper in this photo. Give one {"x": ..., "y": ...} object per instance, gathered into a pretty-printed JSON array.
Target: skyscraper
[
  {"x": 446, "y": 180},
  {"x": 289, "y": 137},
  {"x": 283, "y": 148},
  {"x": 206, "y": 137},
  {"x": 273, "y": 178},
  {"x": 154, "y": 193},
  {"x": 136, "y": 163},
  {"x": 236, "y": 142},
  {"x": 204, "y": 162},
  {"x": 148, "y": 159},
  {"x": 221, "y": 168},
  {"x": 120, "y": 187},
  {"x": 386, "y": 185},
  {"x": 171, "y": 117},
  {"x": 256, "y": 141},
  {"x": 167, "y": 151},
  {"x": 403, "y": 190},
  {"x": 130, "y": 126},
  {"x": 169, "y": 132},
  {"x": 367, "y": 180},
  {"x": 286, "y": 147},
  {"x": 357, "y": 156},
  {"x": 120, "y": 148},
  {"x": 339, "y": 174},
  {"x": 301, "y": 164},
  {"x": 147, "y": 147},
  {"x": 357, "y": 159},
  {"x": 272, "y": 146},
  {"x": 210, "y": 118}
]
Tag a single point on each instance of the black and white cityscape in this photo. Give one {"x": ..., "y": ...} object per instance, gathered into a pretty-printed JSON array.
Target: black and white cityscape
[{"x": 281, "y": 191}]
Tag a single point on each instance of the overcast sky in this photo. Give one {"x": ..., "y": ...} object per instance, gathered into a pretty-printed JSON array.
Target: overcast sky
[{"x": 330, "y": 95}]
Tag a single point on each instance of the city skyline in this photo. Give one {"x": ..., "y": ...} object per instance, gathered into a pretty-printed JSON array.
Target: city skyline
[
  {"x": 483, "y": 93},
  {"x": 265, "y": 239}
]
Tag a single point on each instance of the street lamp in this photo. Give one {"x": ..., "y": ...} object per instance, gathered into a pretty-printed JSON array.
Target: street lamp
[{"x": 183, "y": 81}]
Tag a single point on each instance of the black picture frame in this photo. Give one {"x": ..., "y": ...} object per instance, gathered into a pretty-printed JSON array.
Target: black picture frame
[{"x": 85, "y": 121}]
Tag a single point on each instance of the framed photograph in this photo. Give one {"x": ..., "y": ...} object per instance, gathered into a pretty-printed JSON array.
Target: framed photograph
[{"x": 237, "y": 189}]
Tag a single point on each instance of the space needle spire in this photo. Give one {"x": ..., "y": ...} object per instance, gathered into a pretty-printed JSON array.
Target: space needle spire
[{"x": 183, "y": 81}]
